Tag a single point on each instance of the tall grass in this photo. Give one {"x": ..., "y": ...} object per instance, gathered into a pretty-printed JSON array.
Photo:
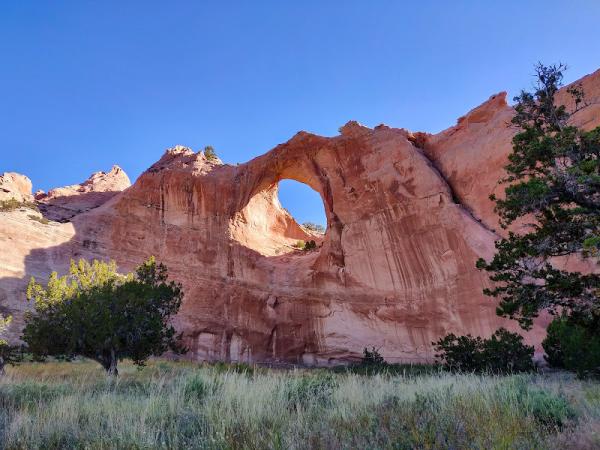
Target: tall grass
[{"x": 182, "y": 405}]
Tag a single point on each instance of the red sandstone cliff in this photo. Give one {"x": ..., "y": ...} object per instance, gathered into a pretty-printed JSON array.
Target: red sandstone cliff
[{"x": 407, "y": 217}]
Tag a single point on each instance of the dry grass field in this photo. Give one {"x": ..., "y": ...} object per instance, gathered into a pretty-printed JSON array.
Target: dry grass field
[{"x": 182, "y": 405}]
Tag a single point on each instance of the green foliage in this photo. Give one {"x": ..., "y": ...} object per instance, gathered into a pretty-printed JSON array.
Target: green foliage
[
  {"x": 98, "y": 313},
  {"x": 168, "y": 405},
  {"x": 573, "y": 346},
  {"x": 9, "y": 205},
  {"x": 12, "y": 204},
  {"x": 553, "y": 179},
  {"x": 306, "y": 245},
  {"x": 41, "y": 220},
  {"x": 9, "y": 354},
  {"x": 372, "y": 357},
  {"x": 551, "y": 411},
  {"x": 503, "y": 352},
  {"x": 310, "y": 388},
  {"x": 389, "y": 369},
  {"x": 314, "y": 227},
  {"x": 310, "y": 245},
  {"x": 210, "y": 153}
]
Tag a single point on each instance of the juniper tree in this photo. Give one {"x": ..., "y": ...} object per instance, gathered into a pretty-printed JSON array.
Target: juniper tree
[
  {"x": 553, "y": 187},
  {"x": 98, "y": 313},
  {"x": 9, "y": 354},
  {"x": 210, "y": 153}
]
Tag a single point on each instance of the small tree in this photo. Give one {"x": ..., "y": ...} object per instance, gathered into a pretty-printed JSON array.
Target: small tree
[
  {"x": 460, "y": 353},
  {"x": 503, "y": 352},
  {"x": 210, "y": 153},
  {"x": 314, "y": 227},
  {"x": 310, "y": 245},
  {"x": 9, "y": 354},
  {"x": 372, "y": 357},
  {"x": 98, "y": 313},
  {"x": 554, "y": 185},
  {"x": 573, "y": 346}
]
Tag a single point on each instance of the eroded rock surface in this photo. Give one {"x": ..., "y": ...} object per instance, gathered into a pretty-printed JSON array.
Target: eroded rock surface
[
  {"x": 408, "y": 215},
  {"x": 15, "y": 186},
  {"x": 62, "y": 204}
]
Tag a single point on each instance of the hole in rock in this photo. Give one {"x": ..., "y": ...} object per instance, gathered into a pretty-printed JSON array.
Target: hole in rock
[
  {"x": 286, "y": 218},
  {"x": 303, "y": 203}
]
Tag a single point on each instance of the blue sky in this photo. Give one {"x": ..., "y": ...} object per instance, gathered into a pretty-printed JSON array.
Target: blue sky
[{"x": 85, "y": 85}]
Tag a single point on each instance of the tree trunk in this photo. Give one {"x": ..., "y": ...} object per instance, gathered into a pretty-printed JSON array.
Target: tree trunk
[
  {"x": 111, "y": 364},
  {"x": 112, "y": 370}
]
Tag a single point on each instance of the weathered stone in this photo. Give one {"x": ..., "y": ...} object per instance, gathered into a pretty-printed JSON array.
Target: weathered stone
[
  {"x": 408, "y": 214},
  {"x": 15, "y": 186},
  {"x": 61, "y": 204}
]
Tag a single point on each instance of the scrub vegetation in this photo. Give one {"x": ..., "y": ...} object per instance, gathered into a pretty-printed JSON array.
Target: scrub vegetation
[
  {"x": 13, "y": 204},
  {"x": 183, "y": 405}
]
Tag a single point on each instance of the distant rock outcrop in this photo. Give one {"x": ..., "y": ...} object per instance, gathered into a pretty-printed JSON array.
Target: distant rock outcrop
[
  {"x": 15, "y": 186},
  {"x": 62, "y": 204},
  {"x": 408, "y": 214}
]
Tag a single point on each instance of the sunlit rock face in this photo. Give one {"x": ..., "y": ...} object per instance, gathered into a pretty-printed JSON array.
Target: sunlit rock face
[
  {"x": 408, "y": 215},
  {"x": 62, "y": 204},
  {"x": 15, "y": 186}
]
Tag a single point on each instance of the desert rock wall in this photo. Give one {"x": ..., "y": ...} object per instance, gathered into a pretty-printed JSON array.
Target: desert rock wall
[{"x": 408, "y": 214}]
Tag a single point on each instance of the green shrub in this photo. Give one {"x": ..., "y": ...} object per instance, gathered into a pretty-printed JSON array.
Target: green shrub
[
  {"x": 372, "y": 357},
  {"x": 30, "y": 393},
  {"x": 405, "y": 370},
  {"x": 196, "y": 387},
  {"x": 549, "y": 410},
  {"x": 503, "y": 352},
  {"x": 314, "y": 227},
  {"x": 41, "y": 220},
  {"x": 31, "y": 205},
  {"x": 310, "y": 245},
  {"x": 234, "y": 367},
  {"x": 306, "y": 246},
  {"x": 10, "y": 205},
  {"x": 573, "y": 346},
  {"x": 210, "y": 153},
  {"x": 306, "y": 389}
]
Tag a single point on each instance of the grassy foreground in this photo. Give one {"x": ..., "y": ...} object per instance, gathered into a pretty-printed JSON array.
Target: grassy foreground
[{"x": 182, "y": 405}]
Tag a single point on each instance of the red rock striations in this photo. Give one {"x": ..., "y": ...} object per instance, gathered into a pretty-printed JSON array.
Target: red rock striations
[{"x": 407, "y": 217}]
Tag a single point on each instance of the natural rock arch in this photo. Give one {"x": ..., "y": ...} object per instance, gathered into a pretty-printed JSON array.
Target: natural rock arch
[{"x": 408, "y": 215}]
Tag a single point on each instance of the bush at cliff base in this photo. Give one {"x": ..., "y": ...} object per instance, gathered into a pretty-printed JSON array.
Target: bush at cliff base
[
  {"x": 503, "y": 352},
  {"x": 573, "y": 346}
]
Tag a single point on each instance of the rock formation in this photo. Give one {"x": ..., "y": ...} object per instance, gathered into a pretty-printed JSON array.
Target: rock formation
[
  {"x": 61, "y": 204},
  {"x": 408, "y": 215},
  {"x": 15, "y": 186}
]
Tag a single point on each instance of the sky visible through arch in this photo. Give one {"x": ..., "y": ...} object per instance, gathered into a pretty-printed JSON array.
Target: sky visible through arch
[
  {"x": 302, "y": 201},
  {"x": 85, "y": 85}
]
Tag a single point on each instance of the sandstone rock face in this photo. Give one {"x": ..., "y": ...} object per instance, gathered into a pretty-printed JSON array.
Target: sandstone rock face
[
  {"x": 15, "y": 186},
  {"x": 31, "y": 247},
  {"x": 61, "y": 204},
  {"x": 472, "y": 154},
  {"x": 407, "y": 217}
]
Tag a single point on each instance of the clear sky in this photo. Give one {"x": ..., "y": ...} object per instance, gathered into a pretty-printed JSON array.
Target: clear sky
[{"x": 85, "y": 85}]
